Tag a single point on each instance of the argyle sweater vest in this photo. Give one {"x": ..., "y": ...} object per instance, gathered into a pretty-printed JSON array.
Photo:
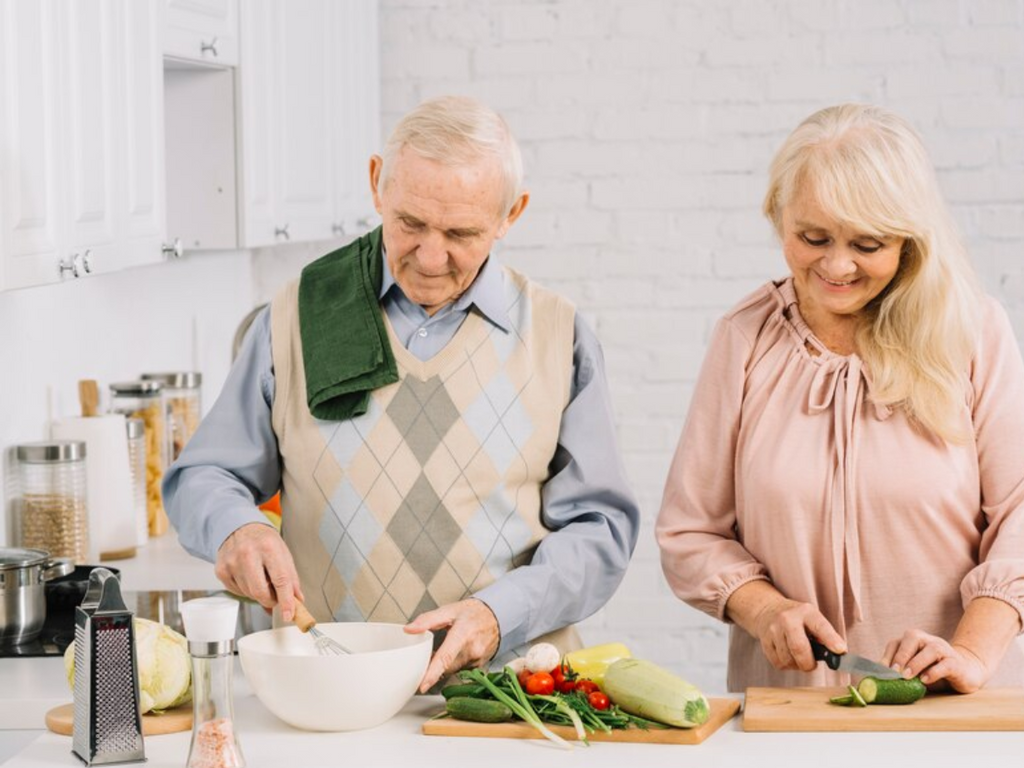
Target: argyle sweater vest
[{"x": 435, "y": 491}]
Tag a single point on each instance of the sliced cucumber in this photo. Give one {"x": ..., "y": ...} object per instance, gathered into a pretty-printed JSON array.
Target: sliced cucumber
[
  {"x": 855, "y": 698},
  {"x": 842, "y": 701},
  {"x": 900, "y": 691}
]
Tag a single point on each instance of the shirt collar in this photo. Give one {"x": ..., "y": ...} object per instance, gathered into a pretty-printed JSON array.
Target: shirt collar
[{"x": 486, "y": 293}]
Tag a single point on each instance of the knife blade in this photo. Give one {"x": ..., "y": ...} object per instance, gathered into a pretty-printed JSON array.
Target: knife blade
[{"x": 852, "y": 663}]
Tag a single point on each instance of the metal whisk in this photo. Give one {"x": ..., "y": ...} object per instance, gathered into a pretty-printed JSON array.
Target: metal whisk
[{"x": 325, "y": 645}]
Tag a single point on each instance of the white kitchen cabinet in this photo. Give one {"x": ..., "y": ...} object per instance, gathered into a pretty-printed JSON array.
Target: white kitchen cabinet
[
  {"x": 355, "y": 112},
  {"x": 309, "y": 94},
  {"x": 202, "y": 30},
  {"x": 80, "y": 138},
  {"x": 32, "y": 233}
]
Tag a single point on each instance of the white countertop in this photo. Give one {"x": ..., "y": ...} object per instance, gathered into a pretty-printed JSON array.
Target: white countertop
[
  {"x": 266, "y": 741},
  {"x": 162, "y": 565},
  {"x": 29, "y": 687}
]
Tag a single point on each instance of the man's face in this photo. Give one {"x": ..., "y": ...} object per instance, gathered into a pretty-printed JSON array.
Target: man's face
[{"x": 439, "y": 223}]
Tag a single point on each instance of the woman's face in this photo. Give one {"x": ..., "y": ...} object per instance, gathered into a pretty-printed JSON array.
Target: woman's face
[{"x": 836, "y": 270}]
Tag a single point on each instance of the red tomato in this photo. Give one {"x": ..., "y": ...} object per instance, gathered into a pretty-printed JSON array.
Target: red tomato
[
  {"x": 587, "y": 687},
  {"x": 598, "y": 700},
  {"x": 540, "y": 684},
  {"x": 566, "y": 686},
  {"x": 523, "y": 676}
]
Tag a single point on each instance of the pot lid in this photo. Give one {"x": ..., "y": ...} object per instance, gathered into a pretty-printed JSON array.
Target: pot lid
[{"x": 21, "y": 558}]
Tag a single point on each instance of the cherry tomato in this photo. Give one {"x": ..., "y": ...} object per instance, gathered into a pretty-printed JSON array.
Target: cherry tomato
[
  {"x": 598, "y": 700},
  {"x": 523, "y": 676},
  {"x": 559, "y": 677},
  {"x": 540, "y": 684},
  {"x": 587, "y": 687}
]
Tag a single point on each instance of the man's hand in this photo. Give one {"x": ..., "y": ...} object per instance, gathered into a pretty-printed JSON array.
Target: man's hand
[
  {"x": 473, "y": 638},
  {"x": 255, "y": 562}
]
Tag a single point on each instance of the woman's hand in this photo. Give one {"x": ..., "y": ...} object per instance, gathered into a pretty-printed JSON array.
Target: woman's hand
[
  {"x": 782, "y": 626},
  {"x": 934, "y": 660}
]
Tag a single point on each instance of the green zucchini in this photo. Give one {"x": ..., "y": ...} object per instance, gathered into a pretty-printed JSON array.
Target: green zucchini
[
  {"x": 462, "y": 689},
  {"x": 900, "y": 691},
  {"x": 478, "y": 710}
]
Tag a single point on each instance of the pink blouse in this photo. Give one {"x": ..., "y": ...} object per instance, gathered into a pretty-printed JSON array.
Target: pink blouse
[{"x": 786, "y": 471}]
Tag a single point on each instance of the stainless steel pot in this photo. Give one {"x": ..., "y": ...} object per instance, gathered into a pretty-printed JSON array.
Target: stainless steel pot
[{"x": 22, "y": 600}]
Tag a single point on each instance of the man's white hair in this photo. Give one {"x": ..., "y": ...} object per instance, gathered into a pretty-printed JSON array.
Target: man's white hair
[{"x": 458, "y": 131}]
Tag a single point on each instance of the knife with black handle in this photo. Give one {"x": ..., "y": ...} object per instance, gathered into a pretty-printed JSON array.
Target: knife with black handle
[{"x": 848, "y": 662}]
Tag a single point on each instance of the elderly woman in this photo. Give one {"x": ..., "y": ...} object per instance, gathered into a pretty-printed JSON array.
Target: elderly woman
[{"x": 851, "y": 468}]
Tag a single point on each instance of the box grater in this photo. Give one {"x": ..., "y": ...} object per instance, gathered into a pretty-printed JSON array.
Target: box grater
[{"x": 107, "y": 724}]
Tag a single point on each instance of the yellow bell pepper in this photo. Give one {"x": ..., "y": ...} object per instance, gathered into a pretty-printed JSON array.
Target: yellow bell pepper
[{"x": 591, "y": 663}]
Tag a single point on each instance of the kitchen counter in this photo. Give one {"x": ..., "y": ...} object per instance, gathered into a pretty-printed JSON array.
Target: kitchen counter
[
  {"x": 266, "y": 741},
  {"x": 163, "y": 565}
]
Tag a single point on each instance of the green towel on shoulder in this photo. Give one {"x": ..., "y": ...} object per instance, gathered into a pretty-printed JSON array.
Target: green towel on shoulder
[{"x": 345, "y": 348}]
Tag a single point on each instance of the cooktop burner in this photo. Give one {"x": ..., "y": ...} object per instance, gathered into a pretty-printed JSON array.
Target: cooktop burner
[{"x": 59, "y": 629}]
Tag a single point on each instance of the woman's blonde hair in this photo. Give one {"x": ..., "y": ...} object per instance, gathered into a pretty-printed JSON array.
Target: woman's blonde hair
[
  {"x": 458, "y": 131},
  {"x": 867, "y": 168}
]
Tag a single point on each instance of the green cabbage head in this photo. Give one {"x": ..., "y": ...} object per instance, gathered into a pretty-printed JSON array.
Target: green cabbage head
[{"x": 165, "y": 668}]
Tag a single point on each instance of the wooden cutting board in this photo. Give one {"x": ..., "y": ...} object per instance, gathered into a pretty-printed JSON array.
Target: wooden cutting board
[
  {"x": 61, "y": 720},
  {"x": 721, "y": 712},
  {"x": 807, "y": 709}
]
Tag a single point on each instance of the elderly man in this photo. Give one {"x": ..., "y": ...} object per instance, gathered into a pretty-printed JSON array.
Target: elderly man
[{"x": 439, "y": 426}]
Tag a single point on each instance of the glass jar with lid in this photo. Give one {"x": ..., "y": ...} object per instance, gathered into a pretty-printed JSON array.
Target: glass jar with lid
[
  {"x": 136, "y": 429},
  {"x": 144, "y": 400},
  {"x": 50, "y": 511},
  {"x": 183, "y": 398}
]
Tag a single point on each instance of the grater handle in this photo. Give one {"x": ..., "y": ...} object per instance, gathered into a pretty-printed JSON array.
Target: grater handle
[{"x": 94, "y": 595}]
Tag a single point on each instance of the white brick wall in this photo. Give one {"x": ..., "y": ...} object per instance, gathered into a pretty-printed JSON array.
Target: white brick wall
[{"x": 648, "y": 126}]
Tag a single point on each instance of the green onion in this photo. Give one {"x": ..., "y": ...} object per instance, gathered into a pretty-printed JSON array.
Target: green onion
[{"x": 523, "y": 710}]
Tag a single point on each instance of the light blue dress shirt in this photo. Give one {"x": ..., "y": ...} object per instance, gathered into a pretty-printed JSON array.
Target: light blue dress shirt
[{"x": 232, "y": 463}]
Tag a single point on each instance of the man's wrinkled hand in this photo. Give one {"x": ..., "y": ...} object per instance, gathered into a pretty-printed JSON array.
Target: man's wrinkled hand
[
  {"x": 472, "y": 640},
  {"x": 255, "y": 562}
]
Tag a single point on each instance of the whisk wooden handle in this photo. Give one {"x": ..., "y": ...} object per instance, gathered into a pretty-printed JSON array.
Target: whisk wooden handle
[{"x": 303, "y": 619}]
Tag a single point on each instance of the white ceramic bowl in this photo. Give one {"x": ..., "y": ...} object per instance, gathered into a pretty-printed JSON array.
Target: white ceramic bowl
[{"x": 335, "y": 693}]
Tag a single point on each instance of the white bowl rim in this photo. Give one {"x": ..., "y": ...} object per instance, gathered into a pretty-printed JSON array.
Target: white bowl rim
[{"x": 251, "y": 638}]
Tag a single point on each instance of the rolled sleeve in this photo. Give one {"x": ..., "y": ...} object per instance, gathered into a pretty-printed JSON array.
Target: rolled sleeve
[
  {"x": 998, "y": 413},
  {"x": 702, "y": 558},
  {"x": 589, "y": 507},
  {"x": 231, "y": 463}
]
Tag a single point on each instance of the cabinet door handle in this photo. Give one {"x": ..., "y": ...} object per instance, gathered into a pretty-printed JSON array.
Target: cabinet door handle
[
  {"x": 210, "y": 47},
  {"x": 175, "y": 249},
  {"x": 86, "y": 260},
  {"x": 68, "y": 265},
  {"x": 338, "y": 229},
  {"x": 282, "y": 232}
]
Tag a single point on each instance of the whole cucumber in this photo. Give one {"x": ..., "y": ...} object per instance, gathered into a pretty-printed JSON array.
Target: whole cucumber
[{"x": 478, "y": 710}]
